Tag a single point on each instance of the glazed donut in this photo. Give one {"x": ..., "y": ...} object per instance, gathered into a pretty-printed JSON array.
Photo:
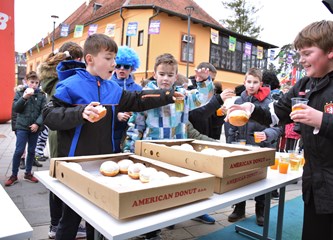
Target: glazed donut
[
  {"x": 109, "y": 168},
  {"x": 101, "y": 113},
  {"x": 74, "y": 165},
  {"x": 146, "y": 173},
  {"x": 134, "y": 170},
  {"x": 124, "y": 164}
]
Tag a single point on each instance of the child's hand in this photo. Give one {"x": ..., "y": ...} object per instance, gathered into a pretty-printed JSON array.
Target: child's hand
[
  {"x": 90, "y": 112},
  {"x": 124, "y": 116},
  {"x": 177, "y": 95},
  {"x": 34, "y": 127},
  {"x": 227, "y": 93},
  {"x": 28, "y": 93},
  {"x": 308, "y": 116},
  {"x": 201, "y": 74}
]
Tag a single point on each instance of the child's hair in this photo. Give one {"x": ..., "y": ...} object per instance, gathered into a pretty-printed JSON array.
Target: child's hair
[
  {"x": 269, "y": 78},
  {"x": 318, "y": 34},
  {"x": 181, "y": 80},
  {"x": 166, "y": 58},
  {"x": 68, "y": 51},
  {"x": 97, "y": 42},
  {"x": 128, "y": 56},
  {"x": 207, "y": 65},
  {"x": 32, "y": 75},
  {"x": 256, "y": 72}
]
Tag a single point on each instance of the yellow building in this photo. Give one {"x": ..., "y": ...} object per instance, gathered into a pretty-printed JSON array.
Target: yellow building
[{"x": 153, "y": 27}]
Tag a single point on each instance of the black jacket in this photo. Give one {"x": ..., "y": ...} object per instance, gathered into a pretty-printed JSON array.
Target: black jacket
[{"x": 318, "y": 148}]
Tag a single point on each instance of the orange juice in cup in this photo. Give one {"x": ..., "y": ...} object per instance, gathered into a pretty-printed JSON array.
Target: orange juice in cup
[
  {"x": 256, "y": 136},
  {"x": 283, "y": 167},
  {"x": 276, "y": 164},
  {"x": 219, "y": 112},
  {"x": 296, "y": 101}
]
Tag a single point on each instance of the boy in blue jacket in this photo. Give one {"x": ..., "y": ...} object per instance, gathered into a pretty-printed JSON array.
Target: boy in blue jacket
[{"x": 72, "y": 111}]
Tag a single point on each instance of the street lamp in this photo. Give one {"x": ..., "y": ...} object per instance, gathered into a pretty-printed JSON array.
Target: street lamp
[
  {"x": 54, "y": 22},
  {"x": 189, "y": 10}
]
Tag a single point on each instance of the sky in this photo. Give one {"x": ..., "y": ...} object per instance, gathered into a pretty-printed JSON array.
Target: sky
[{"x": 281, "y": 19}]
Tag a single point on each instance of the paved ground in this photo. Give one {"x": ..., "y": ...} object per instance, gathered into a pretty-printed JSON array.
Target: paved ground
[{"x": 32, "y": 199}]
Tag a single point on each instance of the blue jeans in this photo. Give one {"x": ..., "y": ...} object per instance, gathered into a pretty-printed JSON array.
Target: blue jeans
[{"x": 22, "y": 138}]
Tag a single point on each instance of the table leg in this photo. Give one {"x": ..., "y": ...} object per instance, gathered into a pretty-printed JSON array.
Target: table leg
[
  {"x": 279, "y": 225},
  {"x": 266, "y": 222}
]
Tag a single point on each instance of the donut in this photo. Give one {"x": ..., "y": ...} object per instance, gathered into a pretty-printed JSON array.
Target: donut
[
  {"x": 187, "y": 146},
  {"x": 145, "y": 174},
  {"x": 109, "y": 168},
  {"x": 134, "y": 170},
  {"x": 124, "y": 164},
  {"x": 210, "y": 151},
  {"x": 238, "y": 118},
  {"x": 159, "y": 177},
  {"x": 101, "y": 113},
  {"x": 74, "y": 166}
]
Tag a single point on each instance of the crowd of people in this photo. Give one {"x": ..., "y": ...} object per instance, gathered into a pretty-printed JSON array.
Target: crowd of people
[{"x": 58, "y": 104}]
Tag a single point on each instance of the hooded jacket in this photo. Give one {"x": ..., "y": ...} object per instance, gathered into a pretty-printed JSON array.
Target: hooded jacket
[
  {"x": 28, "y": 111},
  {"x": 262, "y": 98},
  {"x": 48, "y": 76},
  {"x": 76, "y": 89},
  {"x": 317, "y": 177}
]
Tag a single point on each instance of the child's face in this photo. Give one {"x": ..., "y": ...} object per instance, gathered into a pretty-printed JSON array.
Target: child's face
[
  {"x": 33, "y": 83},
  {"x": 252, "y": 84},
  {"x": 165, "y": 76},
  {"x": 101, "y": 65},
  {"x": 315, "y": 61}
]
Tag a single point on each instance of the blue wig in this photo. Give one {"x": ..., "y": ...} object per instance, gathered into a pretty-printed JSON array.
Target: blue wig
[{"x": 128, "y": 56}]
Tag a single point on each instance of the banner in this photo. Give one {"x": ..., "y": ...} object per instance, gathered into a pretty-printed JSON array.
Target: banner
[
  {"x": 37, "y": 47},
  {"x": 110, "y": 30},
  {"x": 260, "y": 52},
  {"x": 248, "y": 49},
  {"x": 154, "y": 27},
  {"x": 64, "y": 30},
  {"x": 214, "y": 36},
  {"x": 132, "y": 29},
  {"x": 272, "y": 55},
  {"x": 92, "y": 29},
  {"x": 7, "y": 55},
  {"x": 48, "y": 38},
  {"x": 78, "y": 31},
  {"x": 232, "y": 43}
]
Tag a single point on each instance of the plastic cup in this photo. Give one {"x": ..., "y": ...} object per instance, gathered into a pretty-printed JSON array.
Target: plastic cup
[
  {"x": 242, "y": 141},
  {"x": 295, "y": 164},
  {"x": 283, "y": 167},
  {"x": 256, "y": 137},
  {"x": 179, "y": 104},
  {"x": 276, "y": 163},
  {"x": 296, "y": 101}
]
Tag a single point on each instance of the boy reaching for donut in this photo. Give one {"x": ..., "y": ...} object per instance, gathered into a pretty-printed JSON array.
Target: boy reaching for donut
[{"x": 72, "y": 111}]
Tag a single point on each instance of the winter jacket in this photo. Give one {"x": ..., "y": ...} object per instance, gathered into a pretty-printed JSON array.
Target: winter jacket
[
  {"x": 165, "y": 122},
  {"x": 28, "y": 111},
  {"x": 77, "y": 136},
  {"x": 246, "y": 132},
  {"x": 121, "y": 126},
  {"x": 48, "y": 76},
  {"x": 318, "y": 169}
]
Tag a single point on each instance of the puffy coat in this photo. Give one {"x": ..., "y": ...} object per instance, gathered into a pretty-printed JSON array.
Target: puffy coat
[
  {"x": 28, "y": 111},
  {"x": 246, "y": 132},
  {"x": 318, "y": 151}
]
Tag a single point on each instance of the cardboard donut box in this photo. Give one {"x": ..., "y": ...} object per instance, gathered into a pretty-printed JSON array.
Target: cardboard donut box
[
  {"x": 123, "y": 197},
  {"x": 247, "y": 165}
]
